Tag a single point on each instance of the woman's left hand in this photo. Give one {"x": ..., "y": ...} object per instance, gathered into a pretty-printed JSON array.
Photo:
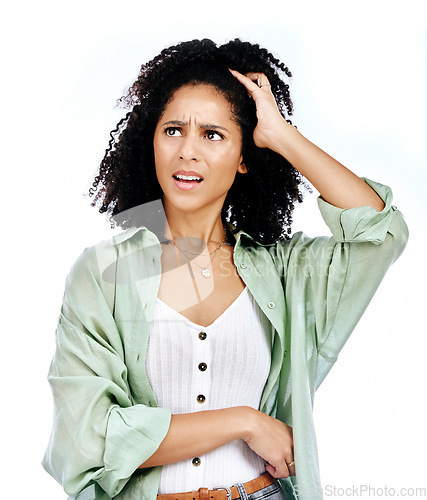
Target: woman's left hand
[{"x": 271, "y": 124}]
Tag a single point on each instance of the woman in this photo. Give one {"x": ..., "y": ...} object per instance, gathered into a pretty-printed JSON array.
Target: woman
[{"x": 196, "y": 338}]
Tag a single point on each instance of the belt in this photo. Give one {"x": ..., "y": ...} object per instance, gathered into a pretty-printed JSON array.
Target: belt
[{"x": 221, "y": 493}]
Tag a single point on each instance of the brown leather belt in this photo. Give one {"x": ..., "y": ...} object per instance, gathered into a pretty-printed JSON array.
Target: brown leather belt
[{"x": 221, "y": 493}]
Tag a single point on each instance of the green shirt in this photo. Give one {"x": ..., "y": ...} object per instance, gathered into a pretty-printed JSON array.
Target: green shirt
[{"x": 312, "y": 290}]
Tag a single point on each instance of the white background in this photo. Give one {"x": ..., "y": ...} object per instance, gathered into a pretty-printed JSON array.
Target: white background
[{"x": 359, "y": 93}]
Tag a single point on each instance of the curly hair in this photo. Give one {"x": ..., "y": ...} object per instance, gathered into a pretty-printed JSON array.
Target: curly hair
[{"x": 260, "y": 201}]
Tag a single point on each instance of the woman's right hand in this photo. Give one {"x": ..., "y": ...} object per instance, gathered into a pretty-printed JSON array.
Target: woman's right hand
[{"x": 272, "y": 440}]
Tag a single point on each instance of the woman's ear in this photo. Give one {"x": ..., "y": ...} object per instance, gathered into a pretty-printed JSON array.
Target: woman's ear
[{"x": 242, "y": 168}]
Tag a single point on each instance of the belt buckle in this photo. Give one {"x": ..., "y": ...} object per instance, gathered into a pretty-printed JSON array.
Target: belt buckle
[{"x": 228, "y": 490}]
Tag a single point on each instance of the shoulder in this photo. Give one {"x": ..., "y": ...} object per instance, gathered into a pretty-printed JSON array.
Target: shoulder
[
  {"x": 98, "y": 258},
  {"x": 91, "y": 261},
  {"x": 91, "y": 282},
  {"x": 121, "y": 259},
  {"x": 280, "y": 253}
]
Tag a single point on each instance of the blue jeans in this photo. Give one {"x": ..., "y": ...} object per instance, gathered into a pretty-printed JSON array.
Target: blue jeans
[{"x": 272, "y": 492}]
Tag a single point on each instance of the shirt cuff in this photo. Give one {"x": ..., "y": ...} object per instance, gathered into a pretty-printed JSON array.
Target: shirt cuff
[
  {"x": 133, "y": 435},
  {"x": 360, "y": 224}
]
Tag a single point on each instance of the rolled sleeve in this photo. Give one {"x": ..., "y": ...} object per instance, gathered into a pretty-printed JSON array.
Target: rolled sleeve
[
  {"x": 133, "y": 435},
  {"x": 360, "y": 224}
]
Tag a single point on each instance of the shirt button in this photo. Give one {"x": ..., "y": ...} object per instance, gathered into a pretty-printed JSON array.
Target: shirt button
[
  {"x": 202, "y": 367},
  {"x": 196, "y": 461},
  {"x": 202, "y": 335},
  {"x": 271, "y": 305},
  {"x": 243, "y": 265},
  {"x": 201, "y": 398}
]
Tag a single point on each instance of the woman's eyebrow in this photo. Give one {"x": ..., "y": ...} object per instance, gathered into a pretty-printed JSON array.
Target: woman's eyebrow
[
  {"x": 210, "y": 126},
  {"x": 174, "y": 122}
]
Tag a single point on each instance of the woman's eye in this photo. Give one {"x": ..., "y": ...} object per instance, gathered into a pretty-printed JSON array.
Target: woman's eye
[
  {"x": 172, "y": 132},
  {"x": 213, "y": 136}
]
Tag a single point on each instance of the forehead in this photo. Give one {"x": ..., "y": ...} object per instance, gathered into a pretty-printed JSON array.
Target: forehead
[{"x": 199, "y": 100}]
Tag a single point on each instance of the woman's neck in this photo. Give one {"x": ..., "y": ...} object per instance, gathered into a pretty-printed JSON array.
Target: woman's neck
[{"x": 195, "y": 231}]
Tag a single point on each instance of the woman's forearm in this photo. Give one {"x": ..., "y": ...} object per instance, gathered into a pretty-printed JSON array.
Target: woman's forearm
[
  {"x": 336, "y": 184},
  {"x": 193, "y": 434}
]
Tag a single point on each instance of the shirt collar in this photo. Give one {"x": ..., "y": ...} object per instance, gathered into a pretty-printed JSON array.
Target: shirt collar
[
  {"x": 131, "y": 232},
  {"x": 127, "y": 234}
]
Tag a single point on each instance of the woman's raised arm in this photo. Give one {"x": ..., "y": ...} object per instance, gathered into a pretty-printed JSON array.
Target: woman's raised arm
[{"x": 335, "y": 183}]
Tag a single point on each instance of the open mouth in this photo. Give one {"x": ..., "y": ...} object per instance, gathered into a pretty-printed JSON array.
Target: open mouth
[{"x": 188, "y": 178}]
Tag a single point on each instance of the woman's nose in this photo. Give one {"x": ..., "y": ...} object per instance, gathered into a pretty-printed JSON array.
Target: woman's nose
[{"x": 189, "y": 149}]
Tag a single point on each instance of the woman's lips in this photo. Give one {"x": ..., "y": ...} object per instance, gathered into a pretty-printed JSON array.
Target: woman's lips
[
  {"x": 187, "y": 172},
  {"x": 186, "y": 185}
]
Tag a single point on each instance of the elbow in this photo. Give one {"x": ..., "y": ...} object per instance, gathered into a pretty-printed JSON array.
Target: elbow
[
  {"x": 398, "y": 234},
  {"x": 402, "y": 236}
]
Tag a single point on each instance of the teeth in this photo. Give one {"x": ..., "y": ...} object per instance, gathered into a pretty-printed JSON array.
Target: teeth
[{"x": 188, "y": 177}]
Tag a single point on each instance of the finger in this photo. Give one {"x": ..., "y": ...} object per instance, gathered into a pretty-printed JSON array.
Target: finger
[
  {"x": 281, "y": 471},
  {"x": 291, "y": 468},
  {"x": 271, "y": 470},
  {"x": 247, "y": 82},
  {"x": 259, "y": 78}
]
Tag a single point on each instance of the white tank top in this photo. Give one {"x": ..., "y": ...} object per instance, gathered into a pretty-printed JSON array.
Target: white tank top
[{"x": 193, "y": 368}]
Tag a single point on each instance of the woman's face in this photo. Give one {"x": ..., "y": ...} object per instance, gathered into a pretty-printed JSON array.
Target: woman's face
[{"x": 197, "y": 138}]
